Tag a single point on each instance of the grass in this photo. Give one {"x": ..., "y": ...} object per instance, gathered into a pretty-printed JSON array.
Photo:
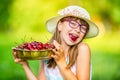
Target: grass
[
  {"x": 106, "y": 66},
  {"x": 105, "y": 62}
]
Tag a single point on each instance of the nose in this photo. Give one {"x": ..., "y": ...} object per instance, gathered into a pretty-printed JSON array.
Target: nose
[{"x": 77, "y": 29}]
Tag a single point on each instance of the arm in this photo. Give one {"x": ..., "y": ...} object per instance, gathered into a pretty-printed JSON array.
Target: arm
[
  {"x": 28, "y": 72},
  {"x": 25, "y": 66},
  {"x": 83, "y": 62},
  {"x": 82, "y": 65},
  {"x": 59, "y": 57},
  {"x": 66, "y": 72},
  {"x": 41, "y": 74}
]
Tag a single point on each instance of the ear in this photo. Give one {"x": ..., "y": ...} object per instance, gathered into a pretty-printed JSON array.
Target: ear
[{"x": 59, "y": 26}]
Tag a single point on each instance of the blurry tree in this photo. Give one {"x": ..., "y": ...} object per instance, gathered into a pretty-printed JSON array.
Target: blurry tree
[
  {"x": 108, "y": 10},
  {"x": 4, "y": 14},
  {"x": 30, "y": 15}
]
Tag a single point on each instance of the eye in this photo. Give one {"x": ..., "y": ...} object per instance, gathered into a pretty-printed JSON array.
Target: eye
[
  {"x": 73, "y": 23},
  {"x": 83, "y": 28}
]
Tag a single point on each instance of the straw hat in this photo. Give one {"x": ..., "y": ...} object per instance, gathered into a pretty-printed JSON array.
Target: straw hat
[{"x": 75, "y": 11}]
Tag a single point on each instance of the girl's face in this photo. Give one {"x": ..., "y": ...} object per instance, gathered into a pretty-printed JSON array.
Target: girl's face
[{"x": 72, "y": 30}]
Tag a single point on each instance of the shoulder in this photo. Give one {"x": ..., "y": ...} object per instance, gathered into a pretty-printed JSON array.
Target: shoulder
[
  {"x": 83, "y": 61},
  {"x": 83, "y": 49},
  {"x": 83, "y": 46}
]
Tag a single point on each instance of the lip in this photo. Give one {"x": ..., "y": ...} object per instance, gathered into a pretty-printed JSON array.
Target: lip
[{"x": 73, "y": 37}]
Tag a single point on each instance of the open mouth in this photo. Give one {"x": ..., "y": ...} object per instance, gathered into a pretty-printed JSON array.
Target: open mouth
[{"x": 73, "y": 37}]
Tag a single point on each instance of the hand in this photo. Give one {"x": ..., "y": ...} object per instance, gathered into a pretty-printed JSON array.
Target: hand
[
  {"x": 58, "y": 56},
  {"x": 18, "y": 60}
]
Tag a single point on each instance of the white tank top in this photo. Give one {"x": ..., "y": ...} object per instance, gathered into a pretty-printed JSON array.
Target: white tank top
[{"x": 54, "y": 73}]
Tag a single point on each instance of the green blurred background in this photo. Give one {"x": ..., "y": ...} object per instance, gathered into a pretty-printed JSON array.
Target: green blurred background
[{"x": 21, "y": 20}]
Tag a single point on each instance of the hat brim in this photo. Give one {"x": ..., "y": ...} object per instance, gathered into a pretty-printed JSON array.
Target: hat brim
[{"x": 52, "y": 23}]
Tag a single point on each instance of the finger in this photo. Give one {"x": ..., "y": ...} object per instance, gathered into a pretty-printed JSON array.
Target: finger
[
  {"x": 17, "y": 60},
  {"x": 54, "y": 56},
  {"x": 61, "y": 50},
  {"x": 12, "y": 50},
  {"x": 56, "y": 52},
  {"x": 56, "y": 44},
  {"x": 15, "y": 54}
]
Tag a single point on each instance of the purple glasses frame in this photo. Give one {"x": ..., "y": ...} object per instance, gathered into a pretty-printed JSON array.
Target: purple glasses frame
[{"x": 82, "y": 28}]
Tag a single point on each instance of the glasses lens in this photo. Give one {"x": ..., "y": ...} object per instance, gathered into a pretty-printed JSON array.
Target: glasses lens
[
  {"x": 73, "y": 24},
  {"x": 83, "y": 29}
]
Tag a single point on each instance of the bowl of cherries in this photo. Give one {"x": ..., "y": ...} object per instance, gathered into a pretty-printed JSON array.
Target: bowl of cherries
[{"x": 34, "y": 50}]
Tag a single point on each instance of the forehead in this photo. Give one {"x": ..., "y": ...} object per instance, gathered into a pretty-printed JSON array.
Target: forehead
[{"x": 71, "y": 18}]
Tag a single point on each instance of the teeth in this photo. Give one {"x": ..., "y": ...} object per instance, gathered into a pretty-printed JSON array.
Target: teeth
[{"x": 74, "y": 35}]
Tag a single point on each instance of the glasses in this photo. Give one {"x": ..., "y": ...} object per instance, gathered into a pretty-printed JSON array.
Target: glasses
[{"x": 74, "y": 24}]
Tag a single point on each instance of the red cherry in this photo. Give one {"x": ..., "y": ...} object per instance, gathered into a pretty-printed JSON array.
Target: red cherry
[
  {"x": 35, "y": 46},
  {"x": 48, "y": 46}
]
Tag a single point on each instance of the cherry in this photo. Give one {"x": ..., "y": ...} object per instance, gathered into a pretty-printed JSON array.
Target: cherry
[{"x": 35, "y": 46}]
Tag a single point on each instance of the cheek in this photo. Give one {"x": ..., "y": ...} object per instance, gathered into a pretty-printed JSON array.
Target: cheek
[
  {"x": 65, "y": 25},
  {"x": 81, "y": 37},
  {"x": 65, "y": 28},
  {"x": 64, "y": 33}
]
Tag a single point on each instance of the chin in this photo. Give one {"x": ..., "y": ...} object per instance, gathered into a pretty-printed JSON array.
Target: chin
[{"x": 71, "y": 43}]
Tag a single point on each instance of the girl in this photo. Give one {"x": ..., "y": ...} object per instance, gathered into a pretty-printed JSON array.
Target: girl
[{"x": 71, "y": 59}]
